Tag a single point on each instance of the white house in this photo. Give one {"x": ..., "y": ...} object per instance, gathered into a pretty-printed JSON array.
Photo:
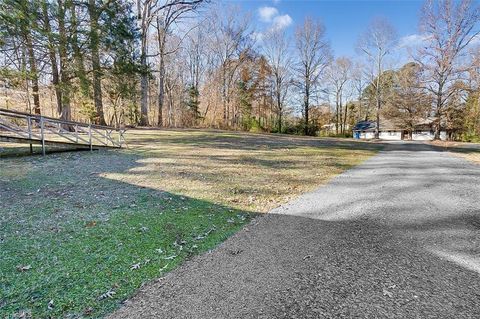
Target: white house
[{"x": 389, "y": 131}]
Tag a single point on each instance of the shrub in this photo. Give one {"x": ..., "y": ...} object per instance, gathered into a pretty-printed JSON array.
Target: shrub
[{"x": 255, "y": 126}]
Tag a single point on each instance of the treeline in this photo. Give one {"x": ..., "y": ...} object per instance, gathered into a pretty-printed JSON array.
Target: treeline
[
  {"x": 80, "y": 54},
  {"x": 193, "y": 63}
]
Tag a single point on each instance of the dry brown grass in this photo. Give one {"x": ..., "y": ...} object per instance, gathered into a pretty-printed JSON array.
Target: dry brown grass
[
  {"x": 472, "y": 157},
  {"x": 468, "y": 151},
  {"x": 94, "y": 215},
  {"x": 246, "y": 171}
]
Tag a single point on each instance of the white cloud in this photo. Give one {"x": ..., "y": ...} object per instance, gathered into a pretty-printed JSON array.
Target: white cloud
[
  {"x": 267, "y": 13},
  {"x": 416, "y": 40},
  {"x": 274, "y": 20},
  {"x": 413, "y": 40},
  {"x": 475, "y": 40},
  {"x": 281, "y": 22},
  {"x": 257, "y": 36}
]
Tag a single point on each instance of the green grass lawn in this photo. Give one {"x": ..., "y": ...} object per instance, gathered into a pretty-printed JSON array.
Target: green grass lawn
[{"x": 80, "y": 232}]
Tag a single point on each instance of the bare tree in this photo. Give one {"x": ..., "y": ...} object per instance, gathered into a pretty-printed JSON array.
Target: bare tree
[
  {"x": 314, "y": 55},
  {"x": 449, "y": 26},
  {"x": 196, "y": 59},
  {"x": 359, "y": 83},
  {"x": 377, "y": 43},
  {"x": 19, "y": 21},
  {"x": 277, "y": 52},
  {"x": 230, "y": 38},
  {"x": 164, "y": 23},
  {"x": 339, "y": 73},
  {"x": 65, "y": 76},
  {"x": 52, "y": 55},
  {"x": 147, "y": 13}
]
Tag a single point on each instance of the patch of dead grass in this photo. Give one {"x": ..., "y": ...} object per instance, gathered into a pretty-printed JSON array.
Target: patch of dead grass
[
  {"x": 468, "y": 151},
  {"x": 472, "y": 157},
  {"x": 245, "y": 171}
]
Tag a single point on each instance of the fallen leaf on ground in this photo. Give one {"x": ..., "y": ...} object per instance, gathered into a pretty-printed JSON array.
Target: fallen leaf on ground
[
  {"x": 180, "y": 243},
  {"x": 23, "y": 315},
  {"x": 108, "y": 294},
  {"x": 23, "y": 268},
  {"x": 135, "y": 266},
  {"x": 163, "y": 268},
  {"x": 387, "y": 293},
  {"x": 91, "y": 224},
  {"x": 170, "y": 257},
  {"x": 88, "y": 311}
]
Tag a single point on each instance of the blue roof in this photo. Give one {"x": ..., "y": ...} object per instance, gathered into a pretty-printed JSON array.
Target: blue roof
[{"x": 365, "y": 126}]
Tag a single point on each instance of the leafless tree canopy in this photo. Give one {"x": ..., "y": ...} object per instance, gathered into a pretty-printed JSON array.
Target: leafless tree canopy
[
  {"x": 314, "y": 55},
  {"x": 377, "y": 43},
  {"x": 449, "y": 28},
  {"x": 199, "y": 63}
]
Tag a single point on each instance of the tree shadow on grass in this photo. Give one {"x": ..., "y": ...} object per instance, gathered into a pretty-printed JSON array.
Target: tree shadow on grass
[
  {"x": 91, "y": 241},
  {"x": 86, "y": 242},
  {"x": 23, "y": 150},
  {"x": 252, "y": 141},
  {"x": 247, "y": 141}
]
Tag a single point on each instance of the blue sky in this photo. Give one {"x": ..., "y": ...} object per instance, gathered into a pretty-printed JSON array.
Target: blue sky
[{"x": 344, "y": 20}]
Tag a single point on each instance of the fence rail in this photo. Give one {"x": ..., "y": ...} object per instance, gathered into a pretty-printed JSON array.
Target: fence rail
[{"x": 37, "y": 129}]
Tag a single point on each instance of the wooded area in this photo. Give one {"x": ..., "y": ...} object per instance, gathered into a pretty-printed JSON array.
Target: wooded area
[{"x": 195, "y": 63}]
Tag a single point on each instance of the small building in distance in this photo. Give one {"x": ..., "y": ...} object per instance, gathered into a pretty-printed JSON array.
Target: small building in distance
[
  {"x": 424, "y": 131},
  {"x": 331, "y": 128}
]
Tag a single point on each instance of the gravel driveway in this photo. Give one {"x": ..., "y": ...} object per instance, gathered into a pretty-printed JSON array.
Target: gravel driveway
[{"x": 396, "y": 237}]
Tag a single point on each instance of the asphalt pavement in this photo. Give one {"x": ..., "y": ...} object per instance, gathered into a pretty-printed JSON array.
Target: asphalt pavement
[{"x": 395, "y": 237}]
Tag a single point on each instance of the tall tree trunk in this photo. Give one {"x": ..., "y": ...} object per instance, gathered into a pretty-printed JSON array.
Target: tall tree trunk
[
  {"x": 279, "y": 107},
  {"x": 161, "y": 72},
  {"x": 438, "y": 112},
  {"x": 224, "y": 96},
  {"x": 97, "y": 72},
  {"x": 26, "y": 26},
  {"x": 337, "y": 120},
  {"x": 161, "y": 92},
  {"x": 306, "y": 101},
  {"x": 143, "y": 15},
  {"x": 377, "y": 95},
  {"x": 33, "y": 72},
  {"x": 79, "y": 61},
  {"x": 23, "y": 63},
  {"x": 52, "y": 56},
  {"x": 65, "y": 113},
  {"x": 377, "y": 128},
  {"x": 144, "y": 86}
]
